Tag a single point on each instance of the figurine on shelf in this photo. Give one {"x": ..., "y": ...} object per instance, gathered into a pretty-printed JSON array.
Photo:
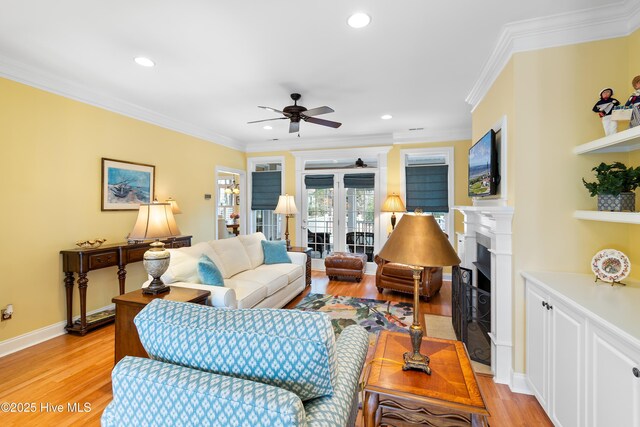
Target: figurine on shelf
[
  {"x": 604, "y": 107},
  {"x": 634, "y": 102}
]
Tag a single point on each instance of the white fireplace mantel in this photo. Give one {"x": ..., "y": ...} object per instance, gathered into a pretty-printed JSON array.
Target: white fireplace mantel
[{"x": 493, "y": 222}]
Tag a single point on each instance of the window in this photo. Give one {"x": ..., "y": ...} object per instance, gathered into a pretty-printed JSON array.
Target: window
[
  {"x": 266, "y": 186},
  {"x": 226, "y": 202},
  {"x": 428, "y": 183}
]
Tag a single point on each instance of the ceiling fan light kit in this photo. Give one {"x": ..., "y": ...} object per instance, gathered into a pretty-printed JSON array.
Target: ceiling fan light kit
[{"x": 296, "y": 112}]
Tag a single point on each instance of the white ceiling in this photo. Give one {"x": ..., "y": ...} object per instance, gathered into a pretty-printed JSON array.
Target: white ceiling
[{"x": 218, "y": 60}]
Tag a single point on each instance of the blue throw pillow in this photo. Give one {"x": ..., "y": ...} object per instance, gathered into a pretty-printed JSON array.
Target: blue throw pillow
[
  {"x": 209, "y": 272},
  {"x": 275, "y": 252}
]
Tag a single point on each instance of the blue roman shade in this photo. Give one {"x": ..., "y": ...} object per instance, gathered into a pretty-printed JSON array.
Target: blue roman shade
[
  {"x": 360, "y": 180},
  {"x": 427, "y": 188},
  {"x": 318, "y": 181},
  {"x": 266, "y": 187}
]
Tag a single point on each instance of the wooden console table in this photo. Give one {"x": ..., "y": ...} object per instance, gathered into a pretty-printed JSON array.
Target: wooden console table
[
  {"x": 81, "y": 261},
  {"x": 449, "y": 396}
]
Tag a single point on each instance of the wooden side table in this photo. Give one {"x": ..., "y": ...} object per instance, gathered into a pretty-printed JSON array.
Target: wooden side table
[
  {"x": 450, "y": 395},
  {"x": 129, "y": 305},
  {"x": 308, "y": 252}
]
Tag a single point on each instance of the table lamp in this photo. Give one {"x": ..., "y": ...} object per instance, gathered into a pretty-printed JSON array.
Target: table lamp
[
  {"x": 393, "y": 204},
  {"x": 286, "y": 206},
  {"x": 418, "y": 242},
  {"x": 155, "y": 221},
  {"x": 174, "y": 206}
]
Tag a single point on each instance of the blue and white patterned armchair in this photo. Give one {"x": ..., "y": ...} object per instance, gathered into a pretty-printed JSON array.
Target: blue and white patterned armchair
[{"x": 222, "y": 367}]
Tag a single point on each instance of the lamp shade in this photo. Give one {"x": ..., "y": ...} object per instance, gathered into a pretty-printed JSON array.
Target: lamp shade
[
  {"x": 418, "y": 240},
  {"x": 174, "y": 206},
  {"x": 155, "y": 221},
  {"x": 393, "y": 204},
  {"x": 286, "y": 205}
]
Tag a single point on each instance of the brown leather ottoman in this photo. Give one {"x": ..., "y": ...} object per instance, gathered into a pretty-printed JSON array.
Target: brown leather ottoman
[{"x": 345, "y": 264}]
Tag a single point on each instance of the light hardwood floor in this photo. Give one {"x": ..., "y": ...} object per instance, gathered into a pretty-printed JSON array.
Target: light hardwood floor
[{"x": 49, "y": 378}]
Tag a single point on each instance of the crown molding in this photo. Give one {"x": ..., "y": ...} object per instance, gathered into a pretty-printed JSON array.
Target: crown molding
[
  {"x": 587, "y": 25},
  {"x": 319, "y": 143},
  {"x": 442, "y": 135},
  {"x": 21, "y": 73}
]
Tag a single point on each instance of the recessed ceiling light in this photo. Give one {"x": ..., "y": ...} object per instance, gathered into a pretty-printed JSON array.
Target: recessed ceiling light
[
  {"x": 359, "y": 20},
  {"x": 267, "y": 127},
  {"x": 386, "y": 117},
  {"x": 145, "y": 62}
]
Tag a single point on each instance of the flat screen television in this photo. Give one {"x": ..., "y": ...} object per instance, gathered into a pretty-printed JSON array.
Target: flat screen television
[{"x": 483, "y": 167}]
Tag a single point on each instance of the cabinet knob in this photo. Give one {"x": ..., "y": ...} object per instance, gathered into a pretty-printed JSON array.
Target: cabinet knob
[{"x": 636, "y": 372}]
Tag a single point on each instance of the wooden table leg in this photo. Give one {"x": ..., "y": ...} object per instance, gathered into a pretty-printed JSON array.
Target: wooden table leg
[
  {"x": 68, "y": 286},
  {"x": 122, "y": 275},
  {"x": 82, "y": 287},
  {"x": 371, "y": 401}
]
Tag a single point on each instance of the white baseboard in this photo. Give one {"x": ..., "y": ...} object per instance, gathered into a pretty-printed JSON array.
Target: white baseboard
[
  {"x": 39, "y": 335},
  {"x": 519, "y": 383}
]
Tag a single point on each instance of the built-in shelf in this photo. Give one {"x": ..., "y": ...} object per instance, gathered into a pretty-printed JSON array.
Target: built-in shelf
[
  {"x": 607, "y": 216},
  {"x": 621, "y": 142}
]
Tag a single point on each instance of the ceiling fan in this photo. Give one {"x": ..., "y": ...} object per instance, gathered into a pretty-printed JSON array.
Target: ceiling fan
[{"x": 296, "y": 112}]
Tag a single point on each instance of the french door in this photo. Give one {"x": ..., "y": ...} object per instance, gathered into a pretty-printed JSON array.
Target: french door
[{"x": 339, "y": 214}]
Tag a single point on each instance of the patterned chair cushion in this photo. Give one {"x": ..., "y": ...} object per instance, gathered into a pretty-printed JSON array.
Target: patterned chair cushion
[
  {"x": 291, "y": 349},
  {"x": 152, "y": 393}
]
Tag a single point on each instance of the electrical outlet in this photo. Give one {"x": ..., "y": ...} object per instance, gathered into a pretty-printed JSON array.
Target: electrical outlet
[{"x": 6, "y": 313}]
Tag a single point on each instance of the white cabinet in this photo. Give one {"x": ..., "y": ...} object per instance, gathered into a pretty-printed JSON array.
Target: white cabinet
[
  {"x": 613, "y": 375},
  {"x": 555, "y": 356},
  {"x": 583, "y": 349}
]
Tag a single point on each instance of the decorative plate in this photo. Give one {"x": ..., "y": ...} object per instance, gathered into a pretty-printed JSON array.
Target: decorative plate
[{"x": 610, "y": 265}]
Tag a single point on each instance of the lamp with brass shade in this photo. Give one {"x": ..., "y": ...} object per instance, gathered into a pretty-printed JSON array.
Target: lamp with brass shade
[
  {"x": 155, "y": 221},
  {"x": 418, "y": 242},
  {"x": 286, "y": 206},
  {"x": 393, "y": 204}
]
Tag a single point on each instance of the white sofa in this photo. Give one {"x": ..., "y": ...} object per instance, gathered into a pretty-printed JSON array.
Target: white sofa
[{"x": 248, "y": 282}]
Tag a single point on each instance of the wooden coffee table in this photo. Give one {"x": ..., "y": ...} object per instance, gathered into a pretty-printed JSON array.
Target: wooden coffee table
[
  {"x": 129, "y": 305},
  {"x": 449, "y": 396}
]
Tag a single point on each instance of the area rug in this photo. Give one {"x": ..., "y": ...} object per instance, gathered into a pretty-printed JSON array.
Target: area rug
[
  {"x": 373, "y": 315},
  {"x": 441, "y": 327}
]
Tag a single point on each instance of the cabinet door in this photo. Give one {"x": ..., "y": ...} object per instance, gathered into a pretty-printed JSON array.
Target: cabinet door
[
  {"x": 566, "y": 380},
  {"x": 537, "y": 342},
  {"x": 614, "y": 395}
]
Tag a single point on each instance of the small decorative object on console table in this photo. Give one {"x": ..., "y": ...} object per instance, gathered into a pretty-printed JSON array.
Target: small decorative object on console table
[
  {"x": 155, "y": 221},
  {"x": 610, "y": 265},
  {"x": 614, "y": 186},
  {"x": 393, "y": 204},
  {"x": 392, "y": 397},
  {"x": 94, "y": 243},
  {"x": 418, "y": 242},
  {"x": 286, "y": 206}
]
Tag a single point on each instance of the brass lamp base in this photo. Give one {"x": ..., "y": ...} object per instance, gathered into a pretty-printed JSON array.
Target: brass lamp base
[{"x": 413, "y": 359}]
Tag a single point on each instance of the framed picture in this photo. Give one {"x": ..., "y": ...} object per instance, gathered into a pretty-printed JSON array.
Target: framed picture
[{"x": 125, "y": 185}]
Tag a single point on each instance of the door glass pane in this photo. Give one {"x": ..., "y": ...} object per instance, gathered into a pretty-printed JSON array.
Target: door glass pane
[
  {"x": 320, "y": 221},
  {"x": 359, "y": 220}
]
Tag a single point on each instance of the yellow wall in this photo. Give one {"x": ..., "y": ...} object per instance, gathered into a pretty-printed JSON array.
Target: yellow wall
[
  {"x": 547, "y": 96},
  {"x": 50, "y": 173}
]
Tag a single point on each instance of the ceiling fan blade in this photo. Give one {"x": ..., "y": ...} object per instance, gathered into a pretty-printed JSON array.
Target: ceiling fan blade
[
  {"x": 318, "y": 111},
  {"x": 267, "y": 120},
  {"x": 322, "y": 122},
  {"x": 271, "y": 109},
  {"x": 294, "y": 127}
]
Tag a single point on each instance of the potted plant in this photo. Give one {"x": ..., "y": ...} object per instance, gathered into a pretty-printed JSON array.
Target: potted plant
[{"x": 614, "y": 186}]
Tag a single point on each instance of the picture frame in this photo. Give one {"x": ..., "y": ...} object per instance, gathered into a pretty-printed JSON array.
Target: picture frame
[{"x": 126, "y": 185}]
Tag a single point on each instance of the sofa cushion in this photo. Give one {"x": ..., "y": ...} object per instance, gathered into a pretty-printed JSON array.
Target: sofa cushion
[
  {"x": 272, "y": 280},
  {"x": 251, "y": 243},
  {"x": 291, "y": 349},
  {"x": 292, "y": 271},
  {"x": 275, "y": 252},
  {"x": 248, "y": 292},
  {"x": 183, "y": 265},
  {"x": 232, "y": 255},
  {"x": 208, "y": 272}
]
